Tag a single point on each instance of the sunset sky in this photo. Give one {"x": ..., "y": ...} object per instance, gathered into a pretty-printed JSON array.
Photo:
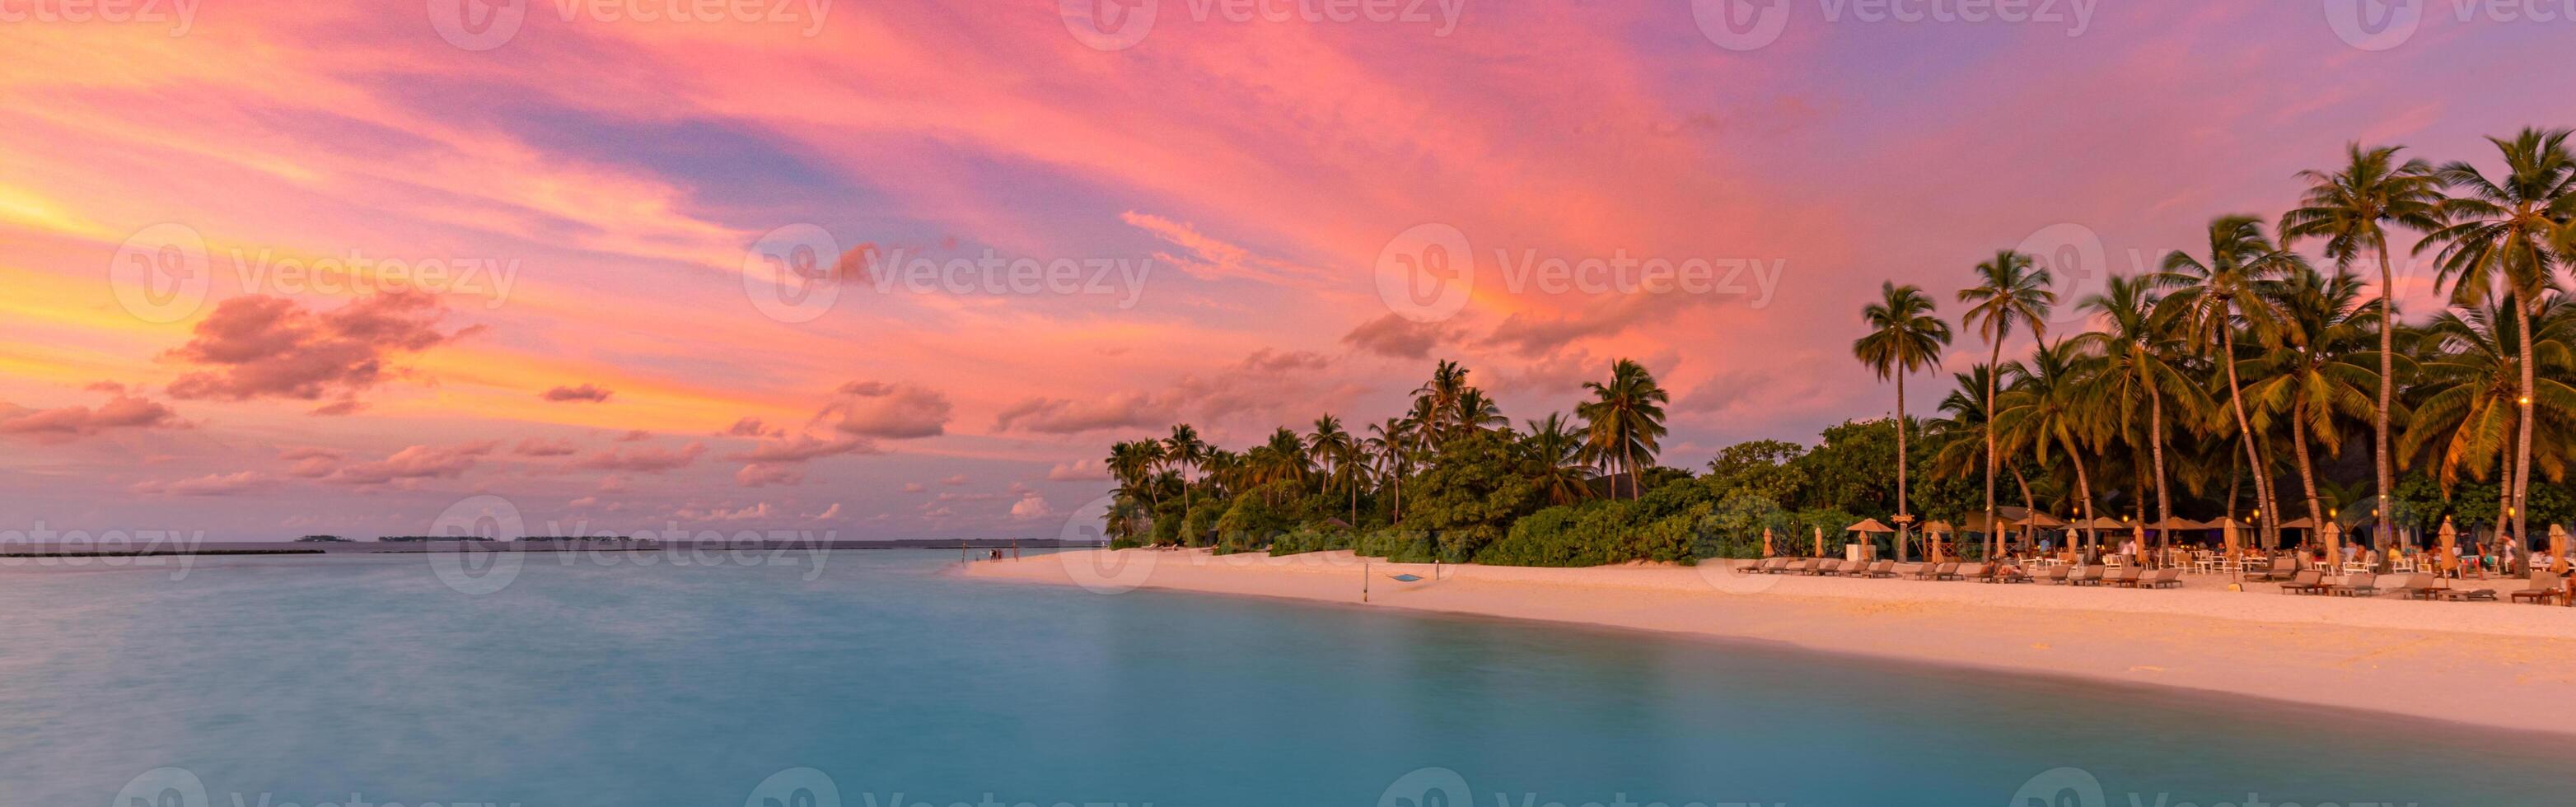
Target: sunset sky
[{"x": 584, "y": 205}]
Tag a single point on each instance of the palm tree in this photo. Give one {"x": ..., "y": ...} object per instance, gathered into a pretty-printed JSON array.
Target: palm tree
[
  {"x": 1448, "y": 382},
  {"x": 2142, "y": 353},
  {"x": 2497, "y": 244},
  {"x": 1905, "y": 336},
  {"x": 2469, "y": 409},
  {"x": 2312, "y": 373},
  {"x": 1184, "y": 449},
  {"x": 2050, "y": 404},
  {"x": 2210, "y": 299},
  {"x": 1331, "y": 447},
  {"x": 1556, "y": 448},
  {"x": 1625, "y": 418},
  {"x": 2011, "y": 291},
  {"x": 1476, "y": 413},
  {"x": 2350, "y": 210},
  {"x": 1392, "y": 443}
]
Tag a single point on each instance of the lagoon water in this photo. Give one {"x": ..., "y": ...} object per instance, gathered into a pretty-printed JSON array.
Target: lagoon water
[{"x": 311, "y": 681}]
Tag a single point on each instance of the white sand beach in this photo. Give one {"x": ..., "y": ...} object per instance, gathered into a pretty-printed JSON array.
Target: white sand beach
[{"x": 2491, "y": 664}]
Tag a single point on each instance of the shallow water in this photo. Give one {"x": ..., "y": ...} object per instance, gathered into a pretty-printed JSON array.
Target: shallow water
[{"x": 593, "y": 682}]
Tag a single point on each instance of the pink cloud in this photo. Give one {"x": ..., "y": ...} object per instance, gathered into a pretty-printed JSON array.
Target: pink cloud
[
  {"x": 121, "y": 411},
  {"x": 645, "y": 460},
  {"x": 892, "y": 411},
  {"x": 586, "y": 393},
  {"x": 259, "y": 346},
  {"x": 415, "y": 462}
]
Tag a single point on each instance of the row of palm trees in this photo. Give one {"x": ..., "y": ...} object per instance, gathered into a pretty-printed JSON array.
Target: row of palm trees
[
  {"x": 1612, "y": 436},
  {"x": 2247, "y": 340}
]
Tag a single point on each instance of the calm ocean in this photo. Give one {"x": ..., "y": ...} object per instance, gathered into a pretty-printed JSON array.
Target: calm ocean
[{"x": 876, "y": 682}]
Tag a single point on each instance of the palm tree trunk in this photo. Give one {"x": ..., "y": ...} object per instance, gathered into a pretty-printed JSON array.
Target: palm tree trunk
[
  {"x": 1629, "y": 452},
  {"x": 2245, "y": 430},
  {"x": 2029, "y": 505},
  {"x": 1902, "y": 523},
  {"x": 2308, "y": 475},
  {"x": 2156, "y": 439},
  {"x": 2522, "y": 450},
  {"x": 2380, "y": 515},
  {"x": 1994, "y": 369},
  {"x": 2083, "y": 489}
]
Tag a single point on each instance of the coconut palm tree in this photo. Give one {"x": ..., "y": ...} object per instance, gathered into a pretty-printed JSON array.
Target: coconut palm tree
[
  {"x": 1185, "y": 450},
  {"x": 1392, "y": 443},
  {"x": 1625, "y": 418},
  {"x": 2497, "y": 243},
  {"x": 1905, "y": 336},
  {"x": 2050, "y": 404},
  {"x": 2012, "y": 291},
  {"x": 2143, "y": 356},
  {"x": 2351, "y": 209},
  {"x": 1475, "y": 412},
  {"x": 2317, "y": 368},
  {"x": 2211, "y": 299},
  {"x": 1331, "y": 448},
  {"x": 1556, "y": 448},
  {"x": 1448, "y": 383},
  {"x": 2469, "y": 408}
]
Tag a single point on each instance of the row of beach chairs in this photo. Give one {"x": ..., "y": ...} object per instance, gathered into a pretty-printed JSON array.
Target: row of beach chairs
[
  {"x": 2125, "y": 577},
  {"x": 2540, "y": 589}
]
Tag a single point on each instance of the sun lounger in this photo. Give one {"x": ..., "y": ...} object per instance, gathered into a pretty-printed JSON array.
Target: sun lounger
[
  {"x": 2468, "y": 594},
  {"x": 2420, "y": 587},
  {"x": 2306, "y": 582},
  {"x": 1884, "y": 568},
  {"x": 2054, "y": 574},
  {"x": 1937, "y": 571},
  {"x": 2125, "y": 576},
  {"x": 1825, "y": 567},
  {"x": 2161, "y": 578},
  {"x": 2004, "y": 575},
  {"x": 1965, "y": 571},
  {"x": 2356, "y": 585},
  {"x": 2543, "y": 588},
  {"x": 2086, "y": 576},
  {"x": 1914, "y": 570},
  {"x": 2281, "y": 570}
]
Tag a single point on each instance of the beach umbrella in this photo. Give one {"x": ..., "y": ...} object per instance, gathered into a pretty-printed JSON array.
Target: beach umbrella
[
  {"x": 2332, "y": 536},
  {"x": 2450, "y": 559},
  {"x": 1820, "y": 542},
  {"x": 2557, "y": 549},
  {"x": 1869, "y": 525},
  {"x": 1767, "y": 551},
  {"x": 2227, "y": 532}
]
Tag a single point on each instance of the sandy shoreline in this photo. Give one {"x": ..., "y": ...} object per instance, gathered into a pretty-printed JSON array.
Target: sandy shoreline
[{"x": 2487, "y": 664}]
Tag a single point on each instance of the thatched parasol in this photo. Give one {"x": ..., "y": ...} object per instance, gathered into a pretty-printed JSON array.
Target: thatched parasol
[
  {"x": 1767, "y": 551},
  {"x": 2557, "y": 549},
  {"x": 1869, "y": 525},
  {"x": 2450, "y": 558}
]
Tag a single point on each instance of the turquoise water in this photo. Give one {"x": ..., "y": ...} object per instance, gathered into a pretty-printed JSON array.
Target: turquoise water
[{"x": 308, "y": 681}]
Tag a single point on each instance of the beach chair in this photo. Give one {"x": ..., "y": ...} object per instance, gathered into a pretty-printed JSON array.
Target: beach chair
[
  {"x": 2306, "y": 582},
  {"x": 2000, "y": 575},
  {"x": 1966, "y": 571},
  {"x": 2419, "y": 587},
  {"x": 1936, "y": 571},
  {"x": 2161, "y": 578},
  {"x": 2086, "y": 576},
  {"x": 2054, "y": 574},
  {"x": 1884, "y": 568},
  {"x": 2468, "y": 594},
  {"x": 2543, "y": 587},
  {"x": 2282, "y": 569},
  {"x": 2364, "y": 584},
  {"x": 1823, "y": 567},
  {"x": 2125, "y": 576},
  {"x": 1914, "y": 570}
]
